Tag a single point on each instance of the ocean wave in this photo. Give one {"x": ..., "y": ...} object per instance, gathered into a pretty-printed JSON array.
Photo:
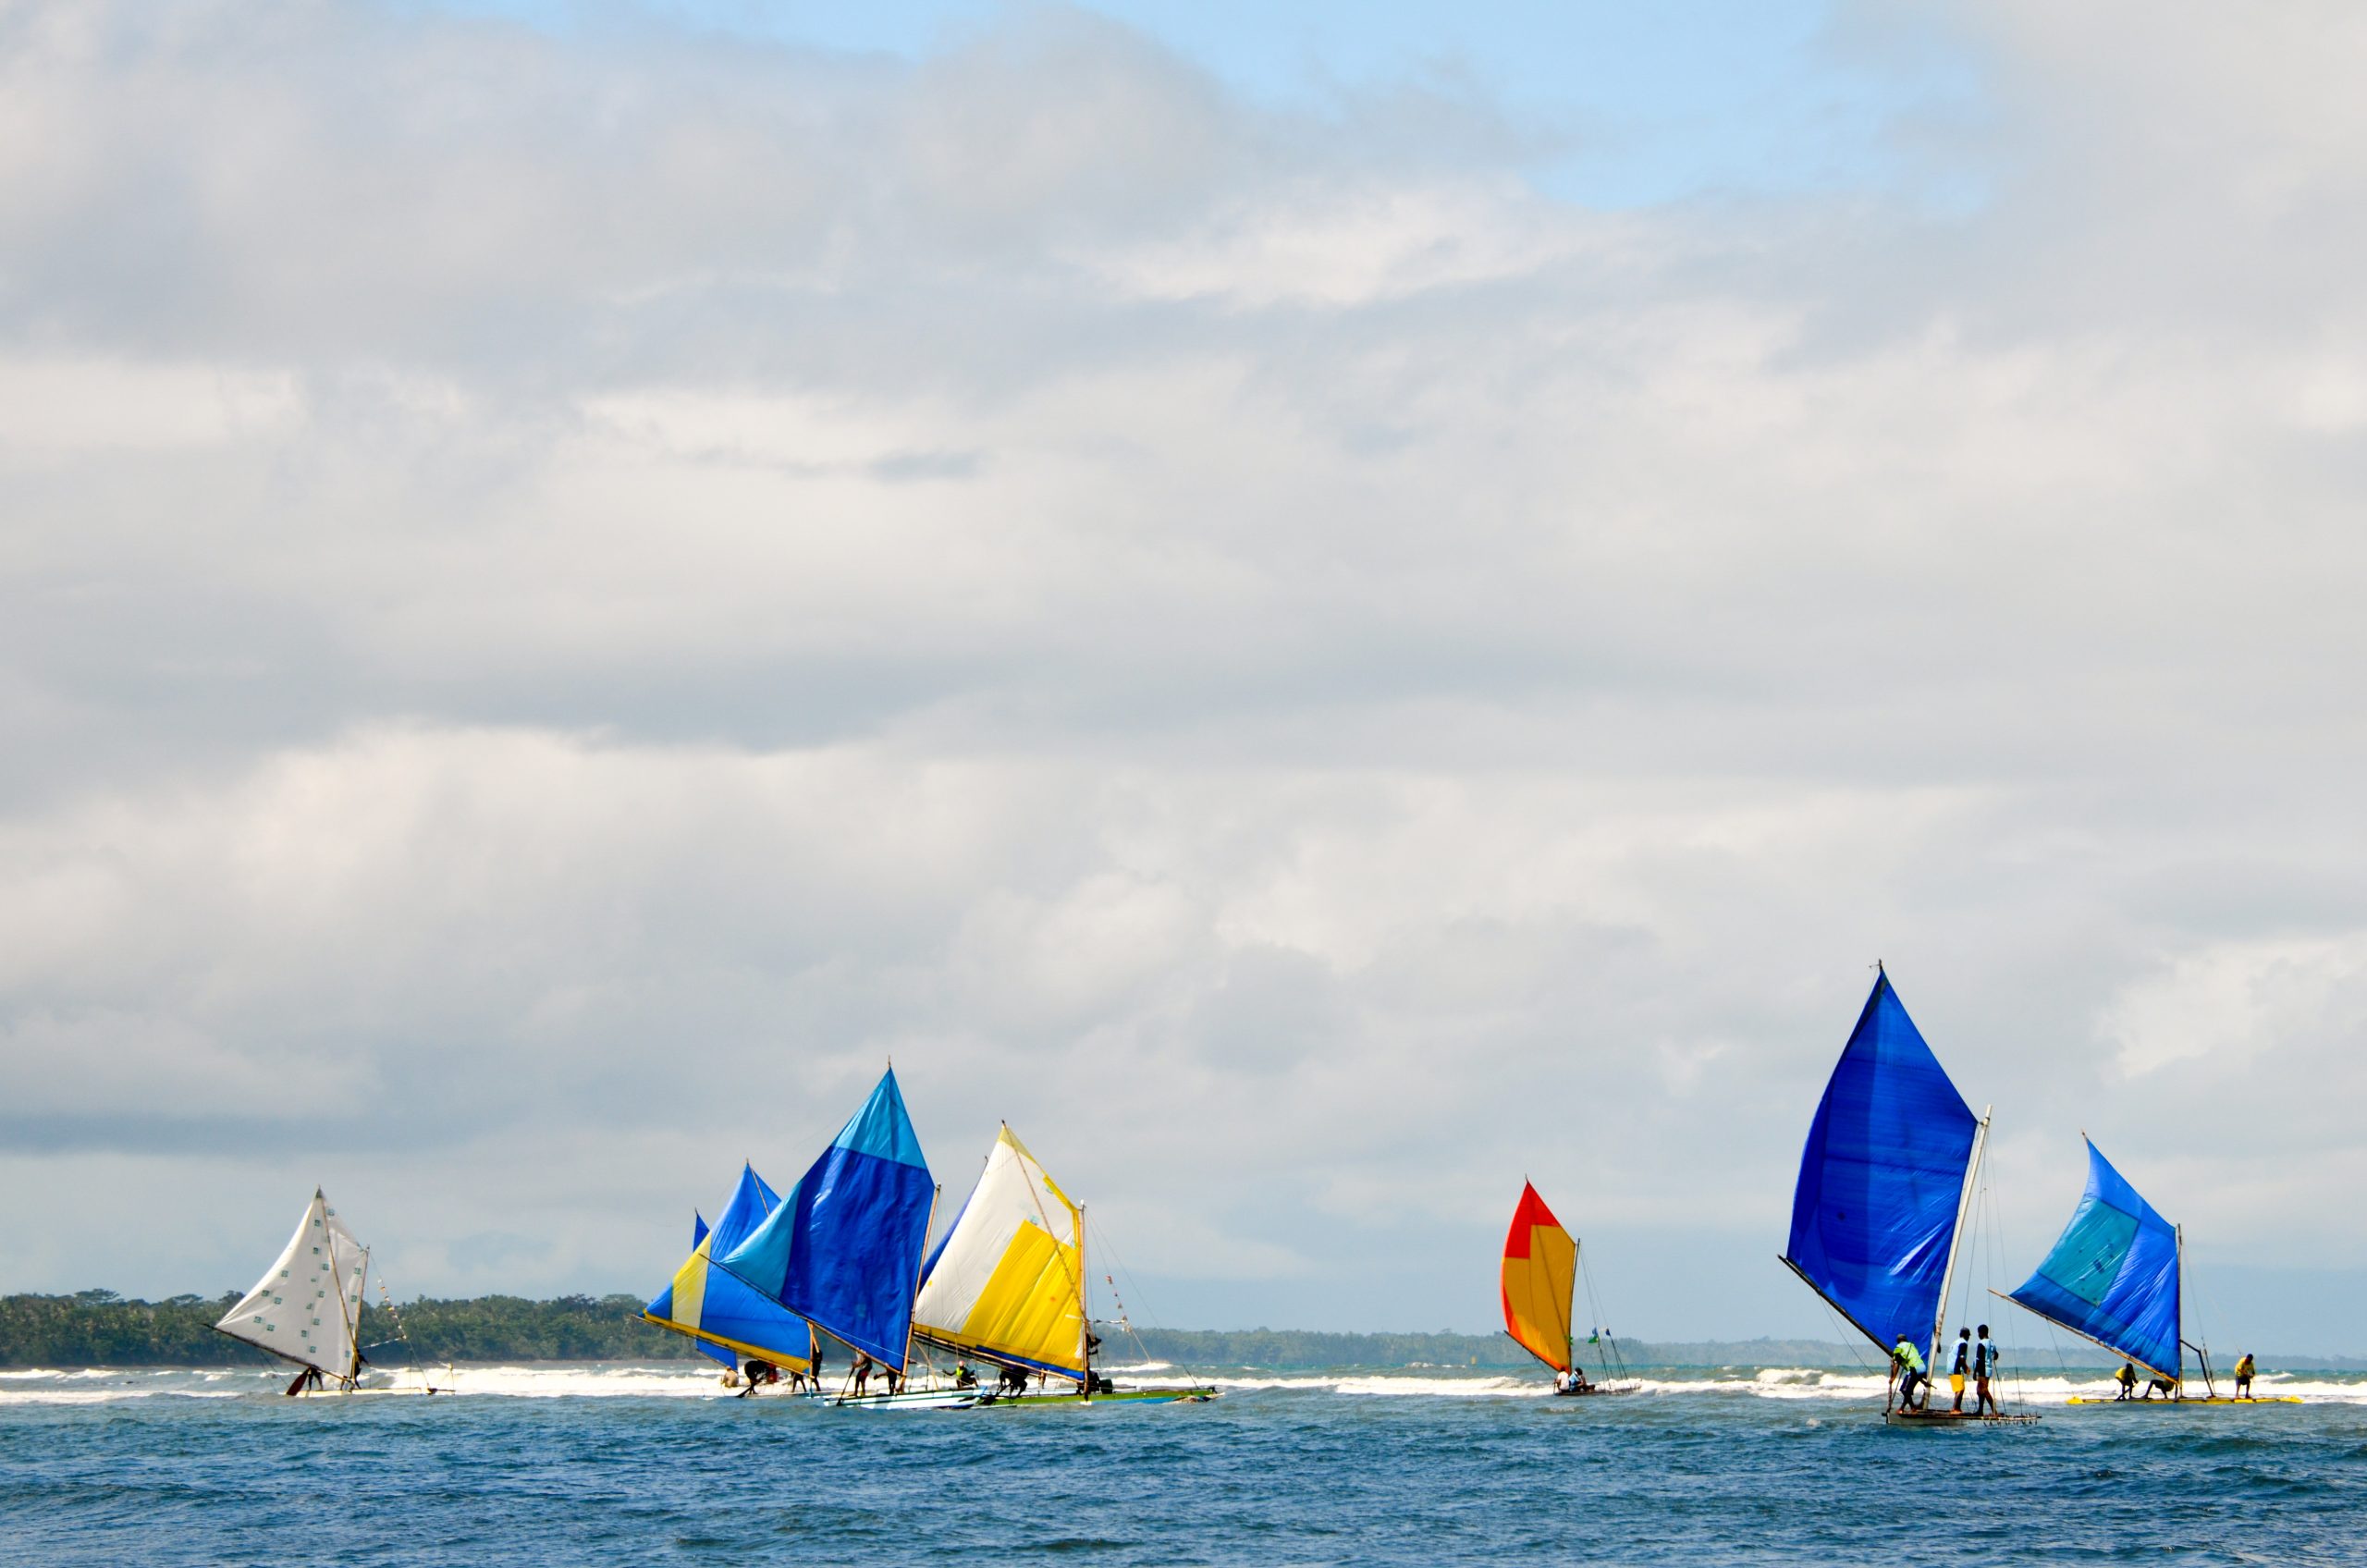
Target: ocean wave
[{"x": 1811, "y": 1385}]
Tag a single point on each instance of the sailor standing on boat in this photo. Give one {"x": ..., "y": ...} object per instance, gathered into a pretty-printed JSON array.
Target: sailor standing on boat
[
  {"x": 1963, "y": 1367},
  {"x": 1984, "y": 1367},
  {"x": 1907, "y": 1368},
  {"x": 2244, "y": 1376}
]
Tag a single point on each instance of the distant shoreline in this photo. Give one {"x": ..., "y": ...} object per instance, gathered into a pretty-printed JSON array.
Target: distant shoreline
[{"x": 97, "y": 1329}]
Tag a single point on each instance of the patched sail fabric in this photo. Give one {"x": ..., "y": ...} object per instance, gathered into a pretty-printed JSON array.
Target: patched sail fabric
[
  {"x": 308, "y": 1305},
  {"x": 1875, "y": 1216},
  {"x": 843, "y": 1250},
  {"x": 722, "y": 1311},
  {"x": 1008, "y": 1283},
  {"x": 1540, "y": 1270},
  {"x": 2113, "y": 1275}
]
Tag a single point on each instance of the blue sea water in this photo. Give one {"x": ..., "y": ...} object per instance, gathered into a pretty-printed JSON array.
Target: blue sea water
[{"x": 530, "y": 1466}]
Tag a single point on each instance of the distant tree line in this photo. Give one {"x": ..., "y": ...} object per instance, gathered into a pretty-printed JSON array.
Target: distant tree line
[{"x": 101, "y": 1329}]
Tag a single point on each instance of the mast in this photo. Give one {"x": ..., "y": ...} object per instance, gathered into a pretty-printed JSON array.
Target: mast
[
  {"x": 1084, "y": 1317},
  {"x": 1955, "y": 1238},
  {"x": 904, "y": 1367}
]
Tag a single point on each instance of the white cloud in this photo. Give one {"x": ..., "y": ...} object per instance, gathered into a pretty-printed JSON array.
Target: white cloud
[{"x": 596, "y": 600}]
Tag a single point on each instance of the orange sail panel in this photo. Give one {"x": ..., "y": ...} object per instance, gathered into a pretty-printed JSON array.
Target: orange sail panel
[{"x": 1540, "y": 1265}]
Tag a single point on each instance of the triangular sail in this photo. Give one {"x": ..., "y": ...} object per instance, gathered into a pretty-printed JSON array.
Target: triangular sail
[
  {"x": 2113, "y": 1275},
  {"x": 308, "y": 1304},
  {"x": 843, "y": 1250},
  {"x": 1007, "y": 1282},
  {"x": 1882, "y": 1178},
  {"x": 1541, "y": 1273},
  {"x": 723, "y": 1312}
]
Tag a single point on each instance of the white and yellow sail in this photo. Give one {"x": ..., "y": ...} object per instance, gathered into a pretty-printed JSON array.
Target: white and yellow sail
[{"x": 1007, "y": 1283}]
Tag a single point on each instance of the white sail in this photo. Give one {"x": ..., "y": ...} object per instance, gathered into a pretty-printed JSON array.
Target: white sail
[
  {"x": 307, "y": 1305},
  {"x": 1008, "y": 1281}
]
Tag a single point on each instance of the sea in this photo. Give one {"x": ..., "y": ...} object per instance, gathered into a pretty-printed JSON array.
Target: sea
[{"x": 576, "y": 1465}]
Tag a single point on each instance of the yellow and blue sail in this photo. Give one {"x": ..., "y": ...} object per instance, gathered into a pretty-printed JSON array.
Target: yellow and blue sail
[
  {"x": 1881, "y": 1178},
  {"x": 721, "y": 1311},
  {"x": 2113, "y": 1275},
  {"x": 713, "y": 1352},
  {"x": 843, "y": 1250}
]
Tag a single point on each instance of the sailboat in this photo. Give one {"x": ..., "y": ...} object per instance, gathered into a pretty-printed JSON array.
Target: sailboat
[
  {"x": 728, "y": 1316},
  {"x": 843, "y": 1250},
  {"x": 2114, "y": 1278},
  {"x": 1887, "y": 1180},
  {"x": 1007, "y": 1286},
  {"x": 307, "y": 1306},
  {"x": 1540, "y": 1276}
]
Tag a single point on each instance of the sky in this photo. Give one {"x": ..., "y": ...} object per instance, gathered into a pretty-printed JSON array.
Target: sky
[{"x": 1325, "y": 609}]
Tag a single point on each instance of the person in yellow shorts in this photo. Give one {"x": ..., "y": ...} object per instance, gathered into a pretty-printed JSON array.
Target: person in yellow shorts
[
  {"x": 1960, "y": 1367},
  {"x": 2244, "y": 1375}
]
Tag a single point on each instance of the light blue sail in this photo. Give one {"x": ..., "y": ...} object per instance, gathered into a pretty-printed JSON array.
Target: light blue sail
[
  {"x": 2113, "y": 1275},
  {"x": 1881, "y": 1179},
  {"x": 844, "y": 1249},
  {"x": 721, "y": 1311}
]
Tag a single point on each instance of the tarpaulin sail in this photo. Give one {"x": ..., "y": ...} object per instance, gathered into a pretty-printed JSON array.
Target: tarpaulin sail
[
  {"x": 1881, "y": 1179},
  {"x": 308, "y": 1304},
  {"x": 844, "y": 1249},
  {"x": 2113, "y": 1274},
  {"x": 1008, "y": 1283},
  {"x": 1540, "y": 1270},
  {"x": 716, "y": 1354},
  {"x": 723, "y": 1312}
]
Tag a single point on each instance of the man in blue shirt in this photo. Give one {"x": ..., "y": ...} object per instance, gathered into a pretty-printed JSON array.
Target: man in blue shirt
[{"x": 1984, "y": 1366}]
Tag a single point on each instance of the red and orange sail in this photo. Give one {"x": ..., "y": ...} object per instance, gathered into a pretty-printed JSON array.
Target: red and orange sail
[{"x": 1540, "y": 1266}]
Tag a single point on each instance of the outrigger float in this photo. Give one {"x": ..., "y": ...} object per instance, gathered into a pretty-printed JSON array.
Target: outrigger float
[{"x": 1886, "y": 1188}]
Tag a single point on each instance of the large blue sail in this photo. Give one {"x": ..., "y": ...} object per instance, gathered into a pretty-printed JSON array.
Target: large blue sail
[
  {"x": 844, "y": 1248},
  {"x": 723, "y": 1312},
  {"x": 2113, "y": 1274},
  {"x": 1881, "y": 1179}
]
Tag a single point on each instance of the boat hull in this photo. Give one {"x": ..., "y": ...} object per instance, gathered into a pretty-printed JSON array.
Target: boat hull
[
  {"x": 916, "y": 1398},
  {"x": 1933, "y": 1419},
  {"x": 1196, "y": 1395}
]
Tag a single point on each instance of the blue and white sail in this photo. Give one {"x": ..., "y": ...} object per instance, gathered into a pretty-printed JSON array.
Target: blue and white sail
[
  {"x": 843, "y": 1250},
  {"x": 722, "y": 1311},
  {"x": 2113, "y": 1275},
  {"x": 1883, "y": 1179}
]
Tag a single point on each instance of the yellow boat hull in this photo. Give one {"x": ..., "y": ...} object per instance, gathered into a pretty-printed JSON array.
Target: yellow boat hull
[{"x": 2211, "y": 1399}]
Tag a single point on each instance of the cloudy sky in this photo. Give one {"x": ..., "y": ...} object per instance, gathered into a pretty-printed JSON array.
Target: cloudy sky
[{"x": 1324, "y": 613}]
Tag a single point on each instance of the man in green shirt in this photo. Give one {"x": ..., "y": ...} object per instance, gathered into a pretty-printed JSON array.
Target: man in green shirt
[{"x": 1907, "y": 1369}]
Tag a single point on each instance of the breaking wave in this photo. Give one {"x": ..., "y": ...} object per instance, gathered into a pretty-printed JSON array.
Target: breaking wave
[{"x": 1804, "y": 1384}]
